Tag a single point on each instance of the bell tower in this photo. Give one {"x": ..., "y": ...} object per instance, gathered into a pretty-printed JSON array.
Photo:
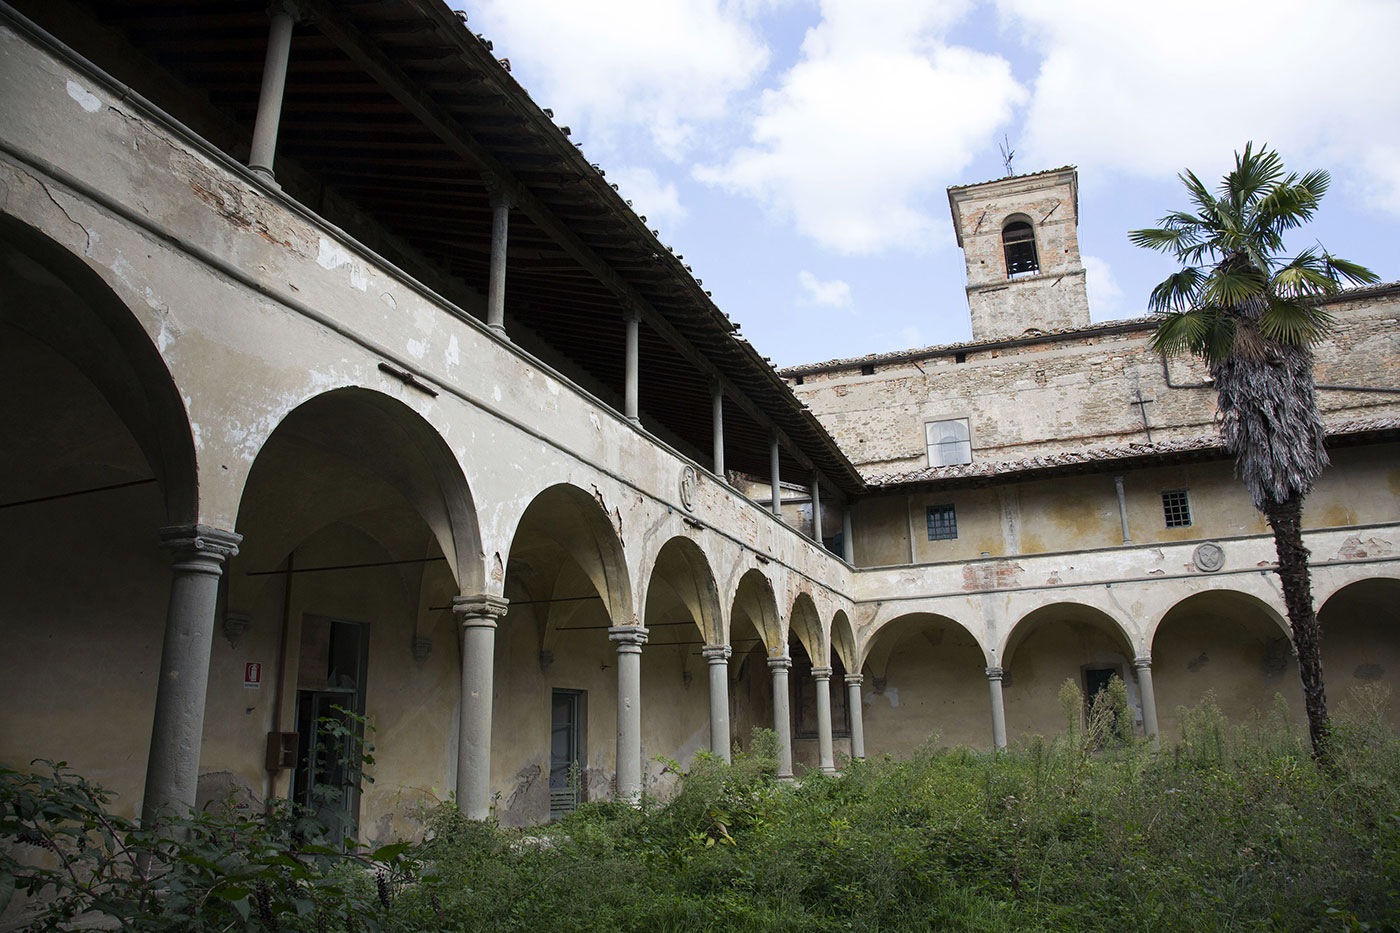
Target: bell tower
[{"x": 1020, "y": 240}]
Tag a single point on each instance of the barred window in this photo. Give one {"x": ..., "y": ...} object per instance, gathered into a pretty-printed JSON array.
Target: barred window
[
  {"x": 1176, "y": 508},
  {"x": 942, "y": 523}
]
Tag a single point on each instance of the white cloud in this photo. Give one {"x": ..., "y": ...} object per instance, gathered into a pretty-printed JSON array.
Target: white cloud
[
  {"x": 657, "y": 200},
  {"x": 1105, "y": 295},
  {"x": 1149, "y": 89},
  {"x": 618, "y": 64},
  {"x": 833, "y": 294},
  {"x": 877, "y": 115}
]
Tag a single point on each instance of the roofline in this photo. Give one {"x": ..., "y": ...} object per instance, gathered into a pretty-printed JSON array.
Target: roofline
[
  {"x": 1104, "y": 460},
  {"x": 1102, "y": 328}
]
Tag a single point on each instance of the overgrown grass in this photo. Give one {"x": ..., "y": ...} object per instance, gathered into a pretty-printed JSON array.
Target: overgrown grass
[{"x": 1233, "y": 828}]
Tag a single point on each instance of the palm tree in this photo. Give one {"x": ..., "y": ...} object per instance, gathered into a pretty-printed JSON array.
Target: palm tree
[{"x": 1253, "y": 316}]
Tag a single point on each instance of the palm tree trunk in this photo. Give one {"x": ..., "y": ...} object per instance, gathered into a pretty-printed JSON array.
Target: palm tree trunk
[{"x": 1286, "y": 519}]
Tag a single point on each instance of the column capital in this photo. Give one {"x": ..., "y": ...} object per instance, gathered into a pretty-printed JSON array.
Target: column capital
[
  {"x": 480, "y": 610},
  {"x": 631, "y": 313},
  {"x": 504, "y": 192},
  {"x": 200, "y": 542},
  {"x": 292, "y": 8},
  {"x": 716, "y": 654},
  {"x": 626, "y": 636},
  {"x": 780, "y": 664},
  {"x": 855, "y": 679},
  {"x": 821, "y": 673},
  {"x": 1143, "y": 663},
  {"x": 994, "y": 673}
]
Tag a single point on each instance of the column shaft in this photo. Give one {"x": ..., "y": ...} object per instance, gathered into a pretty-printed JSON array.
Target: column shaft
[
  {"x": 172, "y": 770},
  {"x": 1143, "y": 666},
  {"x": 777, "y": 504},
  {"x": 816, "y": 508},
  {"x": 717, "y": 406},
  {"x": 477, "y": 615},
  {"x": 782, "y": 715},
  {"x": 857, "y": 711},
  {"x": 629, "y": 400},
  {"x": 826, "y": 755},
  {"x": 274, "y": 81},
  {"x": 848, "y": 544},
  {"x": 629, "y": 639},
  {"x": 998, "y": 708},
  {"x": 500, "y": 241},
  {"x": 1122, "y": 508},
  {"x": 718, "y": 658}
]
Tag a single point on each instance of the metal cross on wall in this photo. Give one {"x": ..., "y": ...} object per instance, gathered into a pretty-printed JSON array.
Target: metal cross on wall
[{"x": 1142, "y": 404}]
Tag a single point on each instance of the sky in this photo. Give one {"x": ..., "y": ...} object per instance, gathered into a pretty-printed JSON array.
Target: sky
[{"x": 797, "y": 153}]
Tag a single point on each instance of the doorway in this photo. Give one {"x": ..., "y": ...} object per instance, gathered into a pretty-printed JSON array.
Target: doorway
[{"x": 330, "y": 711}]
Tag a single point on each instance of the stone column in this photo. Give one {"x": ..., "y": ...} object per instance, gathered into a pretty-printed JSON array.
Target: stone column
[
  {"x": 998, "y": 708},
  {"x": 284, "y": 16},
  {"x": 826, "y": 756},
  {"x": 777, "y": 505},
  {"x": 1122, "y": 508},
  {"x": 857, "y": 711},
  {"x": 477, "y": 615},
  {"x": 629, "y": 639},
  {"x": 1143, "y": 666},
  {"x": 501, "y": 203},
  {"x": 816, "y": 508},
  {"x": 198, "y": 553},
  {"x": 718, "y": 658},
  {"x": 629, "y": 394},
  {"x": 782, "y": 716},
  {"x": 717, "y": 407},
  {"x": 848, "y": 544}
]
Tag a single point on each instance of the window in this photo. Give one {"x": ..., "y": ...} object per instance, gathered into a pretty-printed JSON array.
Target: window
[
  {"x": 1018, "y": 240},
  {"x": 1176, "y": 508},
  {"x": 942, "y": 523},
  {"x": 949, "y": 442}
]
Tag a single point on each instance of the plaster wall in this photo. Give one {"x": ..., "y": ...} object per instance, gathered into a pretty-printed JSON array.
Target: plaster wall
[{"x": 1048, "y": 396}]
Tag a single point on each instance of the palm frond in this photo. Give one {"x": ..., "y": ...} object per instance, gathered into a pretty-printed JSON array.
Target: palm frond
[
  {"x": 1206, "y": 332},
  {"x": 1230, "y": 286},
  {"x": 1294, "y": 322},
  {"x": 1254, "y": 174},
  {"x": 1352, "y": 272},
  {"x": 1178, "y": 292}
]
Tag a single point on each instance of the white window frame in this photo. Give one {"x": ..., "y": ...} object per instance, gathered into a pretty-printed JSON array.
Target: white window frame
[{"x": 948, "y": 450}]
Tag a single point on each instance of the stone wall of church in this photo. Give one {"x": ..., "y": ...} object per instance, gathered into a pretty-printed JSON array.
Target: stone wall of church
[{"x": 1102, "y": 387}]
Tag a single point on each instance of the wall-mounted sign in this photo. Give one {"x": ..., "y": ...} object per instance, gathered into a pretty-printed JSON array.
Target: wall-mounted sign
[{"x": 252, "y": 675}]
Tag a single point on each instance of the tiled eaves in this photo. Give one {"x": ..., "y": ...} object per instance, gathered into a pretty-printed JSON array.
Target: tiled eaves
[
  {"x": 1103, "y": 328},
  {"x": 1095, "y": 459}
]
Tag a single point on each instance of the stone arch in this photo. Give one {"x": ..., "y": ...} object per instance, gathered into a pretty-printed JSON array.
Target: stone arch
[
  {"x": 681, "y": 585},
  {"x": 359, "y": 530},
  {"x": 567, "y": 584},
  {"x": 1226, "y": 642},
  {"x": 97, "y": 456},
  {"x": 55, "y": 309},
  {"x": 1361, "y": 640},
  {"x": 1055, "y": 643},
  {"x": 843, "y": 642},
  {"x": 805, "y": 624},
  {"x": 362, "y": 436},
  {"x": 682, "y": 614},
  {"x": 925, "y": 677},
  {"x": 755, "y": 634}
]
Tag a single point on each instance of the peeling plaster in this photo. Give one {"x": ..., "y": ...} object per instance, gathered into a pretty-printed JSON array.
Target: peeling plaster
[
  {"x": 454, "y": 351},
  {"x": 417, "y": 348},
  {"x": 85, "y": 98},
  {"x": 331, "y": 256}
]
